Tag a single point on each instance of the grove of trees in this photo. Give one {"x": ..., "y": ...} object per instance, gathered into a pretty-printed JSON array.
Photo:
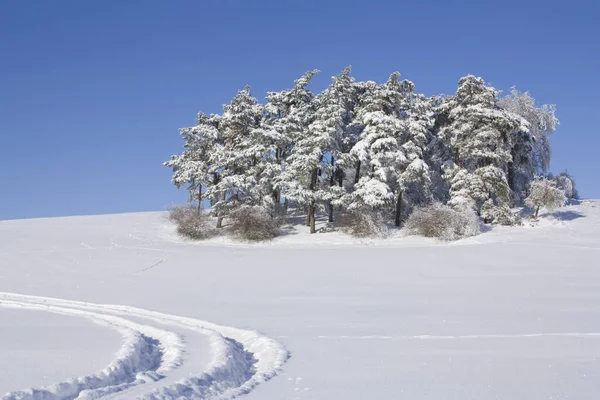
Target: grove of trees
[{"x": 363, "y": 148}]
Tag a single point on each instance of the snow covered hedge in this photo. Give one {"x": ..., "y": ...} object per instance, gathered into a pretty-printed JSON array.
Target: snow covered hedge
[
  {"x": 364, "y": 224},
  {"x": 192, "y": 223},
  {"x": 253, "y": 223},
  {"x": 443, "y": 222}
]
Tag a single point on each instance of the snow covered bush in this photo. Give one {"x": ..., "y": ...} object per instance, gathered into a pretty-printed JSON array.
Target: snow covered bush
[
  {"x": 443, "y": 222},
  {"x": 505, "y": 216},
  {"x": 253, "y": 223},
  {"x": 566, "y": 182},
  {"x": 545, "y": 193},
  {"x": 363, "y": 224},
  {"x": 191, "y": 222}
]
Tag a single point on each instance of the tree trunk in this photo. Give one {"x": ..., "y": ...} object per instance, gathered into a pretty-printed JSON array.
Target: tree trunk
[
  {"x": 311, "y": 205},
  {"x": 511, "y": 176},
  {"x": 398, "y": 208},
  {"x": 277, "y": 192},
  {"x": 276, "y": 195},
  {"x": 357, "y": 176},
  {"x": 331, "y": 184},
  {"x": 199, "y": 198},
  {"x": 511, "y": 180},
  {"x": 311, "y": 217},
  {"x": 537, "y": 211},
  {"x": 220, "y": 218}
]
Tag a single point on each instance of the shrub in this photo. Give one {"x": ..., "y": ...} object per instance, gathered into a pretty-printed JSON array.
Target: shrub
[
  {"x": 363, "y": 224},
  {"x": 504, "y": 216},
  {"x": 191, "y": 222},
  {"x": 442, "y": 222},
  {"x": 500, "y": 214},
  {"x": 253, "y": 223}
]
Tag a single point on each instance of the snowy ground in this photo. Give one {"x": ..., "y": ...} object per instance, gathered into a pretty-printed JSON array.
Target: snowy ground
[
  {"x": 511, "y": 314},
  {"x": 29, "y": 336}
]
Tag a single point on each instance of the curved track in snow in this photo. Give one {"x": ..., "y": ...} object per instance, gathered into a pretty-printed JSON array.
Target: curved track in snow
[{"x": 150, "y": 362}]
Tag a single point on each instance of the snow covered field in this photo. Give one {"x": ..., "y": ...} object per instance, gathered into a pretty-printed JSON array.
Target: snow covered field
[{"x": 126, "y": 309}]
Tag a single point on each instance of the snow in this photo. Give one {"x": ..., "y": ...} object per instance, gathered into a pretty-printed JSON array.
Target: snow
[
  {"x": 28, "y": 335},
  {"x": 509, "y": 314}
]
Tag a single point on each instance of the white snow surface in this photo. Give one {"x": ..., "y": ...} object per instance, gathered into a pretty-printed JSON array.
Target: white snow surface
[
  {"x": 513, "y": 313},
  {"x": 28, "y": 335}
]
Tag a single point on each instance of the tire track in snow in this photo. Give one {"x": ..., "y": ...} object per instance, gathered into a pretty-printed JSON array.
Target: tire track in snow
[
  {"x": 146, "y": 354},
  {"x": 464, "y": 337},
  {"x": 240, "y": 359}
]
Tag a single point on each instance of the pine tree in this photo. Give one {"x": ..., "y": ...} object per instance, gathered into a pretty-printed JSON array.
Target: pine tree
[
  {"x": 479, "y": 133},
  {"x": 237, "y": 184},
  {"x": 334, "y": 111},
  {"x": 196, "y": 166},
  {"x": 395, "y": 133},
  {"x": 378, "y": 150},
  {"x": 413, "y": 181},
  {"x": 286, "y": 121},
  {"x": 303, "y": 167}
]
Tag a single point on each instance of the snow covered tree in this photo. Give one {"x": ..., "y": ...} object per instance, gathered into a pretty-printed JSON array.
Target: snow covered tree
[
  {"x": 196, "y": 167},
  {"x": 303, "y": 167},
  {"x": 334, "y": 111},
  {"x": 395, "y": 125},
  {"x": 237, "y": 183},
  {"x": 566, "y": 182},
  {"x": 285, "y": 122},
  {"x": 438, "y": 152},
  {"x": 531, "y": 153},
  {"x": 544, "y": 193},
  {"x": 479, "y": 133},
  {"x": 378, "y": 150},
  {"x": 413, "y": 181}
]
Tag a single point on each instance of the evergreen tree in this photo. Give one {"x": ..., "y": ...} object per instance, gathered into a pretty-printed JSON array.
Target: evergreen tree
[
  {"x": 334, "y": 111},
  {"x": 286, "y": 119},
  {"x": 479, "y": 133},
  {"x": 305, "y": 163},
  {"x": 378, "y": 150},
  {"x": 413, "y": 181},
  {"x": 237, "y": 182},
  {"x": 197, "y": 166}
]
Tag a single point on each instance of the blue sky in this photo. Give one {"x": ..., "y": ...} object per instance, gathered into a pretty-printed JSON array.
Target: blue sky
[{"x": 92, "y": 93}]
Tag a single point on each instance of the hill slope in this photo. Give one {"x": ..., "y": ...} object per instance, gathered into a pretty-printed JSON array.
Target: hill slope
[{"x": 512, "y": 313}]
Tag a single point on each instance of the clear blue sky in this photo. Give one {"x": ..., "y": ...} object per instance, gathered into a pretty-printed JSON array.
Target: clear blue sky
[{"x": 92, "y": 93}]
